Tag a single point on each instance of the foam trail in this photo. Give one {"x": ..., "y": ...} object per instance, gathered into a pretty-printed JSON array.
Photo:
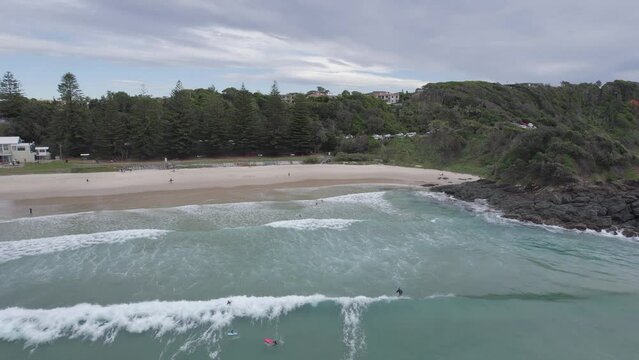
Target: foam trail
[
  {"x": 12, "y": 250},
  {"x": 97, "y": 322},
  {"x": 353, "y": 335},
  {"x": 313, "y": 224}
]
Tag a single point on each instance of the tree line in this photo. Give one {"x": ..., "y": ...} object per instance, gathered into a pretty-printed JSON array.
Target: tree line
[{"x": 189, "y": 122}]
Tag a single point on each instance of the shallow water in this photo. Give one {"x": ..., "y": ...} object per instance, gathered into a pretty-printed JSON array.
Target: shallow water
[{"x": 319, "y": 275}]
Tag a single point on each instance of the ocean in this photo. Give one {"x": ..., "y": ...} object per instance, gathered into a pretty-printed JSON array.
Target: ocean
[{"x": 319, "y": 276}]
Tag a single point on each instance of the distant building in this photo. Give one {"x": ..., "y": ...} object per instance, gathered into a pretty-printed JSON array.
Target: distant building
[
  {"x": 388, "y": 97},
  {"x": 289, "y": 98},
  {"x": 13, "y": 150},
  {"x": 316, "y": 93}
]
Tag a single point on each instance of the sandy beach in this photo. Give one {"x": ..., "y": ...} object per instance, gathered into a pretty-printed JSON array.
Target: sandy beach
[{"x": 62, "y": 193}]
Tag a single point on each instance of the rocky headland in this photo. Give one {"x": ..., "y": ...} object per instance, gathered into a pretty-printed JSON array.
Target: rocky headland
[{"x": 610, "y": 206}]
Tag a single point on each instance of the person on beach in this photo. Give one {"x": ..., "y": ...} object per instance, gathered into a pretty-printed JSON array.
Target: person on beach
[
  {"x": 30, "y": 211},
  {"x": 171, "y": 180},
  {"x": 399, "y": 292}
]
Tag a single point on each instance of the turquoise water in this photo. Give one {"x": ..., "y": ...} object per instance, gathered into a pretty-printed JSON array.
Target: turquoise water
[{"x": 319, "y": 275}]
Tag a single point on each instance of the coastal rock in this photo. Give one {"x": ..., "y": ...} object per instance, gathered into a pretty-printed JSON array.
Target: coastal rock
[{"x": 601, "y": 206}]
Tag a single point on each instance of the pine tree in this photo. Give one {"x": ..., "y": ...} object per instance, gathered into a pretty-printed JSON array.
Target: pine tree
[
  {"x": 276, "y": 122},
  {"x": 146, "y": 127},
  {"x": 11, "y": 100},
  {"x": 245, "y": 128},
  {"x": 70, "y": 127},
  {"x": 299, "y": 131},
  {"x": 112, "y": 138},
  {"x": 214, "y": 124},
  {"x": 179, "y": 123}
]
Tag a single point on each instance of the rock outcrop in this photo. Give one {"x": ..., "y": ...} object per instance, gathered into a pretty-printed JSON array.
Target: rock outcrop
[{"x": 601, "y": 206}]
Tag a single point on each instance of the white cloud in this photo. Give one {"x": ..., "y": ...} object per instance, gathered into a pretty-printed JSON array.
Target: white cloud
[{"x": 275, "y": 56}]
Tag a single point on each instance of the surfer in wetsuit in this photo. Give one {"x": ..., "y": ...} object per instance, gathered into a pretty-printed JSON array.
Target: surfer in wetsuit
[{"x": 399, "y": 292}]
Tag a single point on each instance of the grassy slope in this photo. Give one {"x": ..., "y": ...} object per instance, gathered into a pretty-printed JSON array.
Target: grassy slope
[{"x": 82, "y": 166}]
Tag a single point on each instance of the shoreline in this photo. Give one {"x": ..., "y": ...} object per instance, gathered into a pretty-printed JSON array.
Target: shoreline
[
  {"x": 603, "y": 207},
  {"x": 49, "y": 194}
]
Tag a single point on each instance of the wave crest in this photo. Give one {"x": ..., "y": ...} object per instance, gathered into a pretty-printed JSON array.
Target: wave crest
[
  {"x": 12, "y": 250},
  {"x": 97, "y": 322},
  {"x": 313, "y": 224}
]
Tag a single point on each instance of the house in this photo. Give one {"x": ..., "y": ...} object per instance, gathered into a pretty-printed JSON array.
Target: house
[
  {"x": 13, "y": 150},
  {"x": 389, "y": 98},
  {"x": 42, "y": 153},
  {"x": 289, "y": 98}
]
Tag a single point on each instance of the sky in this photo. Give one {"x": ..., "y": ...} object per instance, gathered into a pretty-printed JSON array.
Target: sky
[{"x": 123, "y": 45}]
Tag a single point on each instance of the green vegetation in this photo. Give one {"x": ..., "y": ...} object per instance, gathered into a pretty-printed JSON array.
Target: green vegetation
[
  {"x": 59, "y": 167},
  {"x": 581, "y": 131}
]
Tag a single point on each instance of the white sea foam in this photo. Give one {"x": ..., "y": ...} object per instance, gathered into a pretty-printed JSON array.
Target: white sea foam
[
  {"x": 103, "y": 323},
  {"x": 12, "y": 250},
  {"x": 373, "y": 199},
  {"x": 313, "y": 224},
  {"x": 437, "y": 296}
]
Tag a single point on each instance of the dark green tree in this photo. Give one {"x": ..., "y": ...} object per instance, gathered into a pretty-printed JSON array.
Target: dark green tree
[
  {"x": 300, "y": 140},
  {"x": 11, "y": 96},
  {"x": 179, "y": 123},
  {"x": 146, "y": 127},
  {"x": 70, "y": 127},
  {"x": 112, "y": 135},
  {"x": 11, "y": 102},
  {"x": 245, "y": 132},
  {"x": 33, "y": 123},
  {"x": 213, "y": 123},
  {"x": 276, "y": 123}
]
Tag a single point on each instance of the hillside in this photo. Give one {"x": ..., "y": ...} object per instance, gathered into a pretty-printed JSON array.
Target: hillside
[{"x": 583, "y": 131}]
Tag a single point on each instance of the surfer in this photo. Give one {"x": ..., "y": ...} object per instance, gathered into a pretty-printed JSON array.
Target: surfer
[
  {"x": 270, "y": 342},
  {"x": 399, "y": 292},
  {"x": 228, "y": 302}
]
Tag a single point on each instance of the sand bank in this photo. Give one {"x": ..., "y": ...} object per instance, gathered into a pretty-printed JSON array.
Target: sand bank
[{"x": 60, "y": 193}]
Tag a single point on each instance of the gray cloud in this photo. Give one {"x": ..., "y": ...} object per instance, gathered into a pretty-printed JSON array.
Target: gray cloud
[{"x": 343, "y": 43}]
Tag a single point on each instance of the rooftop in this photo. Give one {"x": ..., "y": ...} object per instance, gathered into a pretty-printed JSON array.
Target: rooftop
[{"x": 9, "y": 139}]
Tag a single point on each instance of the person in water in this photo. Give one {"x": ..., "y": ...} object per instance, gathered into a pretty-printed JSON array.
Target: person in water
[
  {"x": 274, "y": 342},
  {"x": 399, "y": 292}
]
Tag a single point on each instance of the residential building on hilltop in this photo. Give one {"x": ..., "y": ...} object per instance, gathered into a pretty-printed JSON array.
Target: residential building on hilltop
[
  {"x": 388, "y": 97},
  {"x": 289, "y": 98}
]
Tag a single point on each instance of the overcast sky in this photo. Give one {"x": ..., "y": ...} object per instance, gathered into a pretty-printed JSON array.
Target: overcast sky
[{"x": 356, "y": 45}]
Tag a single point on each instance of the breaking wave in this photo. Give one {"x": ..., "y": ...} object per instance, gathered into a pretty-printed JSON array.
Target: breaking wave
[
  {"x": 373, "y": 199},
  {"x": 12, "y": 250},
  {"x": 103, "y": 323},
  {"x": 313, "y": 224}
]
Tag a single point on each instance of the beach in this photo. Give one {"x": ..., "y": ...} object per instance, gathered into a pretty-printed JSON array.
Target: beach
[{"x": 48, "y": 194}]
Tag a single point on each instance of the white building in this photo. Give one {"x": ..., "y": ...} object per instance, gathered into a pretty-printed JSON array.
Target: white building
[
  {"x": 13, "y": 150},
  {"x": 389, "y": 98},
  {"x": 42, "y": 153}
]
